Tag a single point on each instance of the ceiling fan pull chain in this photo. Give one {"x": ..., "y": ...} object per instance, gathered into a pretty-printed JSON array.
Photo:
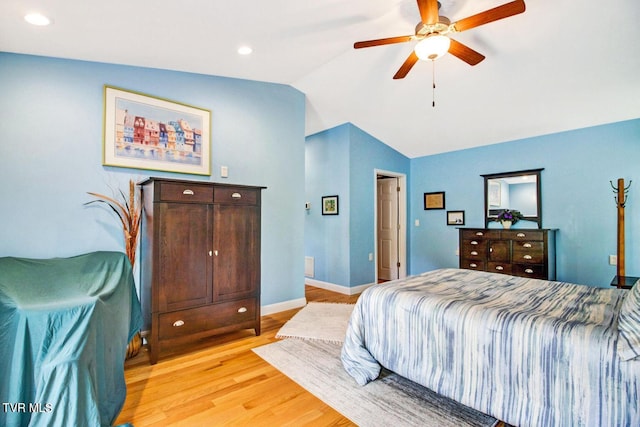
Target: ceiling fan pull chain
[{"x": 433, "y": 83}]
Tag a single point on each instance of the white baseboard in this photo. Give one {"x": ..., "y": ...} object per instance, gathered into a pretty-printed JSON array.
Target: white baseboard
[
  {"x": 282, "y": 306},
  {"x": 345, "y": 290}
]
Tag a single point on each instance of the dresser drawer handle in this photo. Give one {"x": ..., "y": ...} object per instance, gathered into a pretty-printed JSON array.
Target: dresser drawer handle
[
  {"x": 473, "y": 242},
  {"x": 528, "y": 271},
  {"x": 521, "y": 235},
  {"x": 178, "y": 323},
  {"x": 188, "y": 192},
  {"x": 473, "y": 265},
  {"x": 479, "y": 233},
  {"x": 527, "y": 257},
  {"x": 236, "y": 195},
  {"x": 474, "y": 252},
  {"x": 499, "y": 268},
  {"x": 242, "y": 310},
  {"x": 526, "y": 245}
]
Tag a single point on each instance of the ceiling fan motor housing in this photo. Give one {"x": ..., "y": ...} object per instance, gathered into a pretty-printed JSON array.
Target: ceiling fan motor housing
[{"x": 440, "y": 27}]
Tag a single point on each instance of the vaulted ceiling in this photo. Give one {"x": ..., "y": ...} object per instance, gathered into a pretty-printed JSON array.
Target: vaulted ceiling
[{"x": 558, "y": 66}]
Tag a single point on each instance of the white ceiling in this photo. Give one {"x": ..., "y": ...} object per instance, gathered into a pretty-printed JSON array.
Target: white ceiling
[{"x": 561, "y": 65}]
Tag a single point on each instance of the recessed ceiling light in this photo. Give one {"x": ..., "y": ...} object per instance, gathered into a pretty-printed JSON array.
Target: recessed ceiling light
[
  {"x": 244, "y": 50},
  {"x": 37, "y": 19}
]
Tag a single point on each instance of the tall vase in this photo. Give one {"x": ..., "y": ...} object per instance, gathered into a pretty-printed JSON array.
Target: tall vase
[{"x": 506, "y": 224}]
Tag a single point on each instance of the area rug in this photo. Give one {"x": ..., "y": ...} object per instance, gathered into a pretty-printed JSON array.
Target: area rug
[
  {"x": 389, "y": 401},
  {"x": 318, "y": 320}
]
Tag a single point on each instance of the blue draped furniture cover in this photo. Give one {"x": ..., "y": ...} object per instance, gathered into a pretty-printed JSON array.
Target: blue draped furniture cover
[{"x": 65, "y": 324}]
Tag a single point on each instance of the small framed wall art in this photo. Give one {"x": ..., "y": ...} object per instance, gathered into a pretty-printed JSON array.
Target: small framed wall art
[
  {"x": 330, "y": 205},
  {"x": 434, "y": 200},
  {"x": 145, "y": 132},
  {"x": 455, "y": 217}
]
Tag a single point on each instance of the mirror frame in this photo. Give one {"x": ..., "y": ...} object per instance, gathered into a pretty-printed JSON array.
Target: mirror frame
[{"x": 538, "y": 218}]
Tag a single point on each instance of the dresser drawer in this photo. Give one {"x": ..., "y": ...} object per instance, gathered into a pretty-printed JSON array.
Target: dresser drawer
[
  {"x": 185, "y": 192},
  {"x": 528, "y": 252},
  {"x": 474, "y": 249},
  {"x": 535, "y": 271},
  {"x": 475, "y": 234},
  {"x": 470, "y": 264},
  {"x": 186, "y": 322},
  {"x": 499, "y": 267},
  {"x": 523, "y": 234},
  {"x": 236, "y": 195}
]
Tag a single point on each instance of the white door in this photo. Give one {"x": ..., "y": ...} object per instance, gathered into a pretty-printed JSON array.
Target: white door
[{"x": 387, "y": 228}]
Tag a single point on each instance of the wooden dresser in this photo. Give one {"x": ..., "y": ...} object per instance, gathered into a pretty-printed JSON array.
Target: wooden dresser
[
  {"x": 520, "y": 252},
  {"x": 200, "y": 252}
]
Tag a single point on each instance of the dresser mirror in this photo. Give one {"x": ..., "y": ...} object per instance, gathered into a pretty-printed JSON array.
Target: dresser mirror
[{"x": 516, "y": 191}]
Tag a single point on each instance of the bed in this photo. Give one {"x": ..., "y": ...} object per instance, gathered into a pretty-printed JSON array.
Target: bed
[
  {"x": 64, "y": 328},
  {"x": 528, "y": 352}
]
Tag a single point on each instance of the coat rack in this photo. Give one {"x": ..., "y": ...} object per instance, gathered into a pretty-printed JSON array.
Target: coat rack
[{"x": 621, "y": 195}]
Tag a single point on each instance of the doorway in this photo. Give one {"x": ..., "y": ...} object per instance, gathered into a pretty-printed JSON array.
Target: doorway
[{"x": 390, "y": 232}]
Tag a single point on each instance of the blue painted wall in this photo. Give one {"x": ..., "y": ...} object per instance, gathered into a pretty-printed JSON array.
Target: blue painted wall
[
  {"x": 342, "y": 161},
  {"x": 51, "y": 154},
  {"x": 327, "y": 237},
  {"x": 576, "y": 195}
]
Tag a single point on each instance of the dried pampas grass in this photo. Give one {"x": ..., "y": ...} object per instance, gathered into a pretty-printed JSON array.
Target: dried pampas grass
[{"x": 128, "y": 210}]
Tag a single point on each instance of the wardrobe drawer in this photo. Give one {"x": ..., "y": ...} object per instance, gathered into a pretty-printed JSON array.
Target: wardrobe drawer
[
  {"x": 185, "y": 192},
  {"x": 236, "y": 195},
  {"x": 193, "y": 320}
]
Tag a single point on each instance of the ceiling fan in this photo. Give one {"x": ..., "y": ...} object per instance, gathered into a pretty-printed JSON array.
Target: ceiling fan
[{"x": 433, "y": 34}]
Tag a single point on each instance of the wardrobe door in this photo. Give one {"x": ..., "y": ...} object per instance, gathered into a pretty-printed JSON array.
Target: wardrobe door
[
  {"x": 184, "y": 260},
  {"x": 236, "y": 260}
]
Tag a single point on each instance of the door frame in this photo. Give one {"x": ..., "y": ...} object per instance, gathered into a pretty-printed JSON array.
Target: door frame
[{"x": 402, "y": 220}]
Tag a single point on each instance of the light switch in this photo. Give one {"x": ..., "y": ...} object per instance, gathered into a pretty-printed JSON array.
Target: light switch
[{"x": 224, "y": 172}]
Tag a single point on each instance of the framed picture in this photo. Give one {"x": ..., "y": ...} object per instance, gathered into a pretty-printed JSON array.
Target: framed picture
[
  {"x": 455, "y": 217},
  {"x": 434, "y": 200},
  {"x": 145, "y": 132},
  {"x": 330, "y": 205}
]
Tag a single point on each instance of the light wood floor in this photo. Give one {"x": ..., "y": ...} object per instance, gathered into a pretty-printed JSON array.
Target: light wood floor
[{"x": 220, "y": 381}]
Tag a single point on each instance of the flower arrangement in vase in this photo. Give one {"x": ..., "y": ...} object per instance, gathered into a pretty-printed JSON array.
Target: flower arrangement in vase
[{"x": 508, "y": 217}]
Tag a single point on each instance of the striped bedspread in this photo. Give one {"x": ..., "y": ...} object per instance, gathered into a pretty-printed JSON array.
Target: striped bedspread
[{"x": 528, "y": 352}]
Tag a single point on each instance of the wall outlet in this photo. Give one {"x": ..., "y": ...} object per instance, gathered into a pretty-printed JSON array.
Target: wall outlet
[
  {"x": 417, "y": 223},
  {"x": 613, "y": 259},
  {"x": 458, "y": 251},
  {"x": 370, "y": 257}
]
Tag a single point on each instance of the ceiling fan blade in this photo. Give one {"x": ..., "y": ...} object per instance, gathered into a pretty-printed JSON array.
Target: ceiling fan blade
[
  {"x": 428, "y": 11},
  {"x": 500, "y": 12},
  {"x": 380, "y": 42},
  {"x": 407, "y": 66},
  {"x": 465, "y": 53}
]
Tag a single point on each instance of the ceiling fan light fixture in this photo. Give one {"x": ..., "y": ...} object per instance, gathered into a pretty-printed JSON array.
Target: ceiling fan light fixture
[{"x": 432, "y": 47}]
